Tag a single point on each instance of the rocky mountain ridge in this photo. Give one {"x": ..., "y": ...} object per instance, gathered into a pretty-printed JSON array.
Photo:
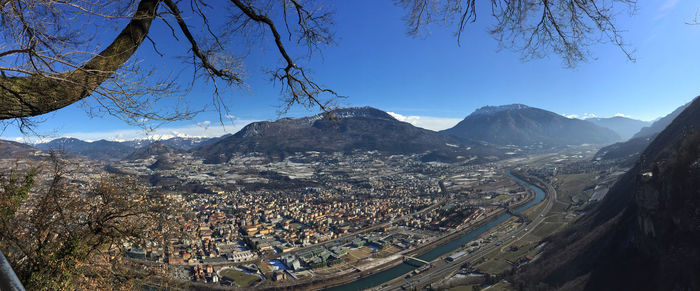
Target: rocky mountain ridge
[
  {"x": 627, "y": 151},
  {"x": 342, "y": 130},
  {"x": 521, "y": 125}
]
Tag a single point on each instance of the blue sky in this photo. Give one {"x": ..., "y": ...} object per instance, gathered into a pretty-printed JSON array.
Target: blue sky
[{"x": 432, "y": 82}]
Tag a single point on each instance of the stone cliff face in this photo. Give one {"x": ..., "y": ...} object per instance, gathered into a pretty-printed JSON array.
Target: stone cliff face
[
  {"x": 667, "y": 201},
  {"x": 645, "y": 234}
]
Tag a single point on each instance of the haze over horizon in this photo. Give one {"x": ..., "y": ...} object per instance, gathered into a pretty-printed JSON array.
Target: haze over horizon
[
  {"x": 432, "y": 82},
  {"x": 233, "y": 124}
]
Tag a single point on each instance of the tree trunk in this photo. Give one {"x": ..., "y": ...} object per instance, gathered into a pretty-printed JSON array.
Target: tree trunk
[{"x": 39, "y": 94}]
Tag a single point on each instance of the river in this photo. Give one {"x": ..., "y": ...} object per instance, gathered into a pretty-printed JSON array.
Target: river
[{"x": 400, "y": 270}]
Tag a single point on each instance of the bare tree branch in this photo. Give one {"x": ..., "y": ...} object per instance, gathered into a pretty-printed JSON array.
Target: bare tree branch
[
  {"x": 42, "y": 69},
  {"x": 46, "y": 63},
  {"x": 36, "y": 94},
  {"x": 299, "y": 87},
  {"x": 532, "y": 27},
  {"x": 225, "y": 74}
]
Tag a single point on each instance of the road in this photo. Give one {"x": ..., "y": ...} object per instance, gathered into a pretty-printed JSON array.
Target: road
[{"x": 443, "y": 268}]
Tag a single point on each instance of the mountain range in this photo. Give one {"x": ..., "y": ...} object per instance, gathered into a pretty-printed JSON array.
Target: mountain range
[
  {"x": 11, "y": 149},
  {"x": 662, "y": 123},
  {"x": 181, "y": 143},
  {"x": 487, "y": 132},
  {"x": 630, "y": 149},
  {"x": 115, "y": 150},
  {"x": 625, "y": 127},
  {"x": 153, "y": 149},
  {"x": 644, "y": 234},
  {"x": 521, "y": 125},
  {"x": 98, "y": 150},
  {"x": 341, "y": 130}
]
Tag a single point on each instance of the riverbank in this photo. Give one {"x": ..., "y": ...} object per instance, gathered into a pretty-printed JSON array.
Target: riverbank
[
  {"x": 388, "y": 268},
  {"x": 340, "y": 279},
  {"x": 451, "y": 243},
  {"x": 437, "y": 248},
  {"x": 500, "y": 212}
]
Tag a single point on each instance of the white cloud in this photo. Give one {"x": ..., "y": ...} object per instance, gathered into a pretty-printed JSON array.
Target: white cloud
[
  {"x": 204, "y": 124},
  {"x": 592, "y": 115},
  {"x": 229, "y": 116},
  {"x": 665, "y": 9},
  {"x": 584, "y": 116},
  {"x": 427, "y": 122}
]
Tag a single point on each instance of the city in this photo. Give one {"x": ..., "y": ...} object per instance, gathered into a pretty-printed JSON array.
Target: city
[
  {"x": 312, "y": 220},
  {"x": 349, "y": 145}
]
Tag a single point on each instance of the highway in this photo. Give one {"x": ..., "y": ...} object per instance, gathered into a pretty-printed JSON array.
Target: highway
[{"x": 442, "y": 268}]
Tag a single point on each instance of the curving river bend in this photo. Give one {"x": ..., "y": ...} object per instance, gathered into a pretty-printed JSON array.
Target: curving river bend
[{"x": 399, "y": 270}]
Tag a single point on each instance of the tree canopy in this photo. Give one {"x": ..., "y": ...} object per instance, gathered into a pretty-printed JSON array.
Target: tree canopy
[{"x": 60, "y": 235}]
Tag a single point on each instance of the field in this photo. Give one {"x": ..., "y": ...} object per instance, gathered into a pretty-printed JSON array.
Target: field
[
  {"x": 571, "y": 190},
  {"x": 361, "y": 253},
  {"x": 241, "y": 279}
]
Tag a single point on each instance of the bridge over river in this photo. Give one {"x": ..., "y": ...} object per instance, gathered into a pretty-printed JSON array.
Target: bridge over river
[{"x": 408, "y": 258}]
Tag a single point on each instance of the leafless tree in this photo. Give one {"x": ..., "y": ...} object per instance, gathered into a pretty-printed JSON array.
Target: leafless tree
[
  {"x": 533, "y": 27},
  {"x": 48, "y": 61},
  {"x": 61, "y": 235},
  {"x": 696, "y": 19}
]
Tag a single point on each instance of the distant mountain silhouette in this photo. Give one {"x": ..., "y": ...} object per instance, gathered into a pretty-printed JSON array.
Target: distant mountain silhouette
[
  {"x": 627, "y": 152},
  {"x": 341, "y": 130},
  {"x": 623, "y": 126},
  {"x": 630, "y": 149},
  {"x": 645, "y": 233},
  {"x": 11, "y": 149},
  {"x": 154, "y": 149},
  {"x": 662, "y": 123},
  {"x": 131, "y": 149},
  {"x": 98, "y": 150},
  {"x": 521, "y": 125},
  {"x": 181, "y": 143}
]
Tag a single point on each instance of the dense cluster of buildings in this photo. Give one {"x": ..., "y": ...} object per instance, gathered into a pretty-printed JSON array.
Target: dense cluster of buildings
[
  {"x": 306, "y": 211},
  {"x": 235, "y": 219}
]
